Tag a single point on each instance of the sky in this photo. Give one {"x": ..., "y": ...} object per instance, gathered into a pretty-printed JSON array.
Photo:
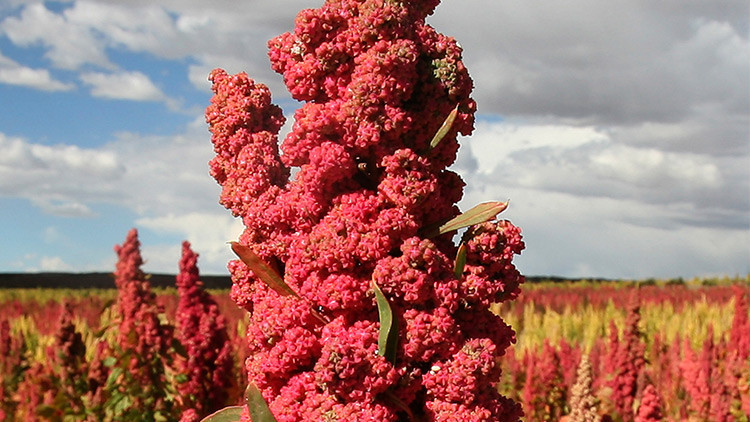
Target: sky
[{"x": 618, "y": 130}]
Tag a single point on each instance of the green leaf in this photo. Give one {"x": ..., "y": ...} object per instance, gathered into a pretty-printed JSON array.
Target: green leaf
[
  {"x": 458, "y": 266},
  {"x": 259, "y": 411},
  {"x": 444, "y": 128},
  {"x": 479, "y": 214},
  {"x": 388, "y": 334},
  {"x": 264, "y": 271},
  {"x": 114, "y": 376},
  {"x": 109, "y": 361},
  {"x": 122, "y": 404},
  {"x": 227, "y": 414}
]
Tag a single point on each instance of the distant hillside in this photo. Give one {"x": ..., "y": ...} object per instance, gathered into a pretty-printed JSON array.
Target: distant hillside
[{"x": 95, "y": 280}]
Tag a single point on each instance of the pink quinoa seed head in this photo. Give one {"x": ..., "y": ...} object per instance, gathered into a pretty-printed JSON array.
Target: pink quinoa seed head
[{"x": 376, "y": 83}]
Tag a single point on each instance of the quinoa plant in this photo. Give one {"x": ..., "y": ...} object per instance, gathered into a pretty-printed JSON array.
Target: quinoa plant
[
  {"x": 650, "y": 406},
  {"x": 362, "y": 306},
  {"x": 53, "y": 388},
  {"x": 627, "y": 360},
  {"x": 137, "y": 386},
  {"x": 14, "y": 364},
  {"x": 544, "y": 393},
  {"x": 583, "y": 402},
  {"x": 205, "y": 374}
]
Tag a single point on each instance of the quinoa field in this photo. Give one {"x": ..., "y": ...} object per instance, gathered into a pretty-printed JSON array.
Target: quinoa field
[{"x": 676, "y": 350}]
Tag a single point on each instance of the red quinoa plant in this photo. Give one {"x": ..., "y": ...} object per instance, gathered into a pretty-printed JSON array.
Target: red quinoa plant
[
  {"x": 738, "y": 355},
  {"x": 137, "y": 387},
  {"x": 650, "y": 406},
  {"x": 206, "y": 370},
  {"x": 626, "y": 360},
  {"x": 704, "y": 380},
  {"x": 362, "y": 307},
  {"x": 544, "y": 393},
  {"x": 14, "y": 361},
  {"x": 72, "y": 368},
  {"x": 54, "y": 388}
]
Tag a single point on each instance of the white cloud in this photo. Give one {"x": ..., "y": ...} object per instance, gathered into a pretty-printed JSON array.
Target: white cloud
[
  {"x": 54, "y": 264},
  {"x": 144, "y": 28},
  {"x": 163, "y": 180},
  {"x": 149, "y": 175},
  {"x": 166, "y": 174},
  {"x": 63, "y": 207},
  {"x": 13, "y": 73},
  {"x": 134, "y": 86},
  {"x": 225, "y": 34},
  {"x": 494, "y": 142},
  {"x": 69, "y": 46},
  {"x": 647, "y": 167},
  {"x": 59, "y": 178},
  {"x": 700, "y": 190},
  {"x": 576, "y": 236},
  {"x": 208, "y": 234},
  {"x": 51, "y": 235},
  {"x": 616, "y": 63}
]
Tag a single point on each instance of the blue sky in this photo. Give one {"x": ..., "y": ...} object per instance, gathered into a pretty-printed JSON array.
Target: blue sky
[{"x": 620, "y": 131}]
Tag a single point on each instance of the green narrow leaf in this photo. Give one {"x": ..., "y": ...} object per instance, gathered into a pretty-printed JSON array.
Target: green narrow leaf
[
  {"x": 388, "y": 334},
  {"x": 264, "y": 271},
  {"x": 227, "y": 414},
  {"x": 444, "y": 128},
  {"x": 479, "y": 214},
  {"x": 458, "y": 266},
  {"x": 259, "y": 411},
  {"x": 114, "y": 376}
]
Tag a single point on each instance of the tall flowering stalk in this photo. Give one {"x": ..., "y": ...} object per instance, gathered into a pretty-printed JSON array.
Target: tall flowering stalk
[
  {"x": 71, "y": 365},
  {"x": 201, "y": 329},
  {"x": 583, "y": 402},
  {"x": 627, "y": 355},
  {"x": 53, "y": 388},
  {"x": 98, "y": 373},
  {"x": 362, "y": 306},
  {"x": 544, "y": 393},
  {"x": 704, "y": 379},
  {"x": 738, "y": 355},
  {"x": 14, "y": 362},
  {"x": 137, "y": 386},
  {"x": 739, "y": 336}
]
